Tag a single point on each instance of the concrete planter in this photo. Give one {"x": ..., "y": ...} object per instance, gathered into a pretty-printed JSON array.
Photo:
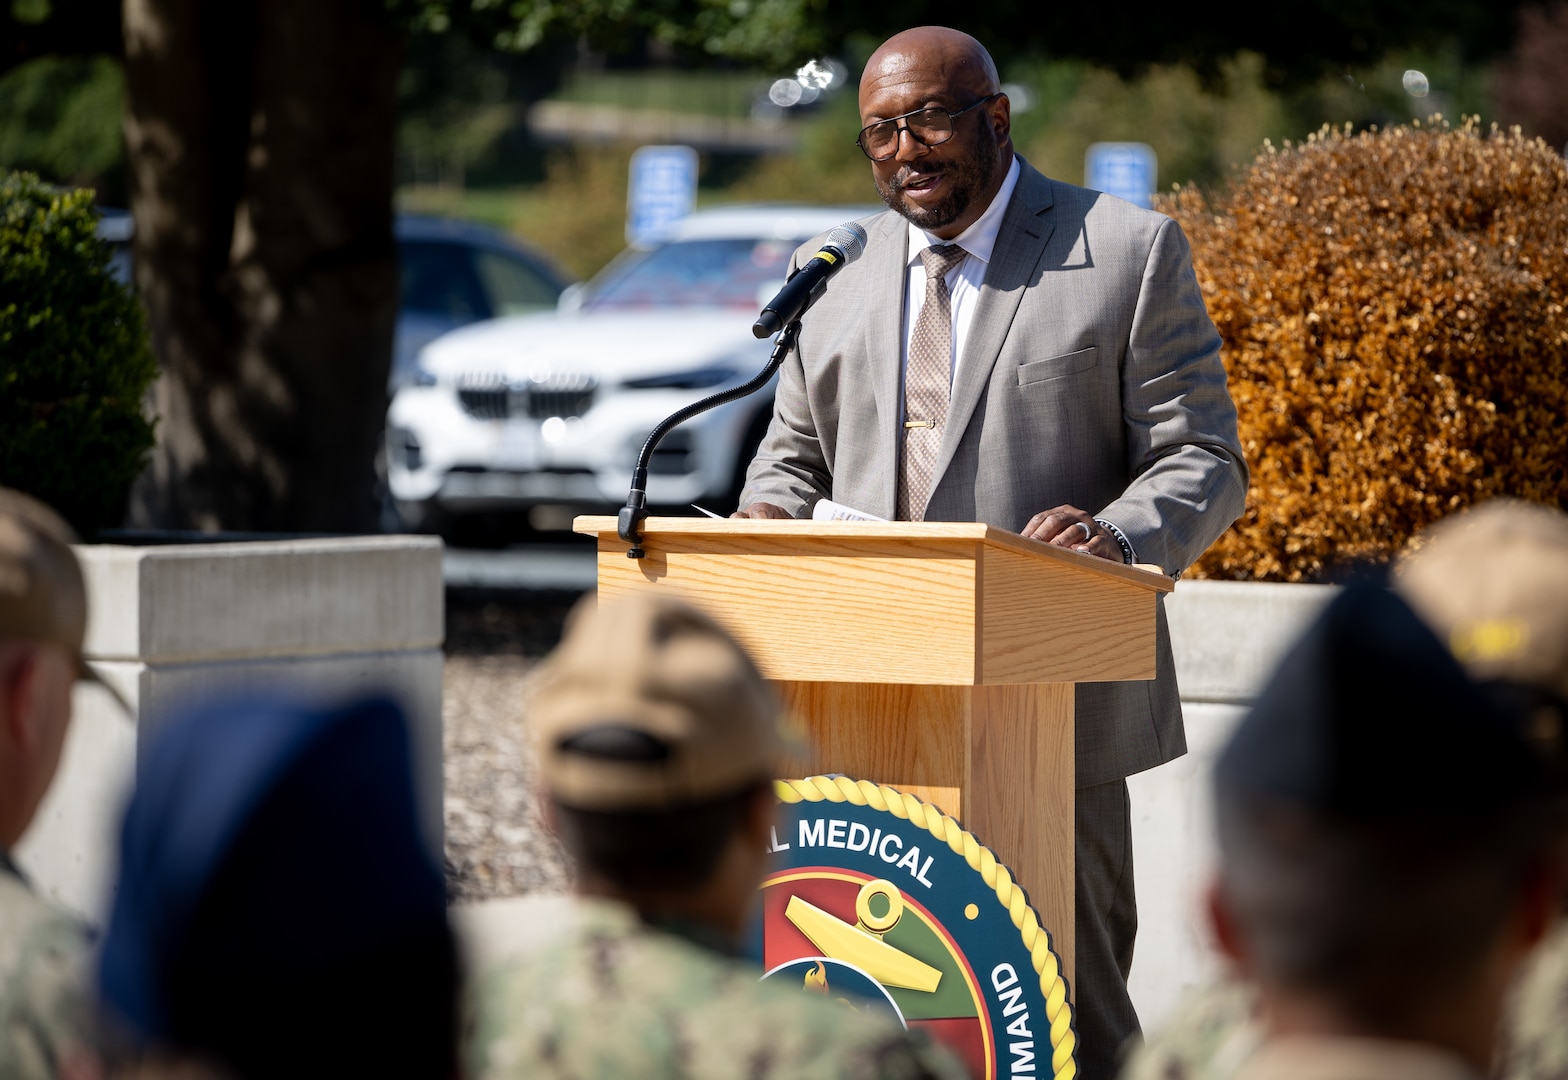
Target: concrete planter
[
  {"x": 1227, "y": 636},
  {"x": 171, "y": 626}
]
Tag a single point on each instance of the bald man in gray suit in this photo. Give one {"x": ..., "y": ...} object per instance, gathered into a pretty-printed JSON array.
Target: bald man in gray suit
[{"x": 1086, "y": 407}]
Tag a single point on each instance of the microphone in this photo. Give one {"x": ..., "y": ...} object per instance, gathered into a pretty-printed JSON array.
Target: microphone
[
  {"x": 806, "y": 285},
  {"x": 842, "y": 246}
]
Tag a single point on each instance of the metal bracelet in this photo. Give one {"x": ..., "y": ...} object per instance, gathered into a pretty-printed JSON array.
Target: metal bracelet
[{"x": 1128, "y": 555}]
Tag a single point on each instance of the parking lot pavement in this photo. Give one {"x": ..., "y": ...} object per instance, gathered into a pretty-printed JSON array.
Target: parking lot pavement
[{"x": 504, "y": 612}]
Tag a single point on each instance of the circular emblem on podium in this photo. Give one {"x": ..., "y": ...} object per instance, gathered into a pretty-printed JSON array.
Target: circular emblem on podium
[{"x": 878, "y": 900}]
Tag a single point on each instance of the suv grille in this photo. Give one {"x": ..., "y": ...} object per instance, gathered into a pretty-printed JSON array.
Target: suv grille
[{"x": 491, "y": 398}]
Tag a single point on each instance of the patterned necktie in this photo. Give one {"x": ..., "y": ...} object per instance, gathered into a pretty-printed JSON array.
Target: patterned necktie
[{"x": 927, "y": 383}]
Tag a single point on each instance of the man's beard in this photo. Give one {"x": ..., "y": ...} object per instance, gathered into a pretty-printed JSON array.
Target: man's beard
[{"x": 966, "y": 179}]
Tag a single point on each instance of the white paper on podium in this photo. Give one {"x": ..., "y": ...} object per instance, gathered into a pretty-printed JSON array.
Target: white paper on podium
[{"x": 828, "y": 510}]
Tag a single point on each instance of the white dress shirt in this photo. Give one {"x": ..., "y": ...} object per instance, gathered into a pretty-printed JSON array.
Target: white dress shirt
[{"x": 965, "y": 279}]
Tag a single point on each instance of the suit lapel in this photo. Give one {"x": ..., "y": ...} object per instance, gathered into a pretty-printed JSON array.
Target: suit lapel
[
  {"x": 887, "y": 253},
  {"x": 1026, "y": 227}
]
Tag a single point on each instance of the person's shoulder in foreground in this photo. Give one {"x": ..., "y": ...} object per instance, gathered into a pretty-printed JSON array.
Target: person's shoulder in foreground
[
  {"x": 1213, "y": 1030},
  {"x": 1493, "y": 583},
  {"x": 1534, "y": 1040},
  {"x": 44, "y": 957},
  {"x": 618, "y": 997},
  {"x": 45, "y": 1012},
  {"x": 1339, "y": 1057}
]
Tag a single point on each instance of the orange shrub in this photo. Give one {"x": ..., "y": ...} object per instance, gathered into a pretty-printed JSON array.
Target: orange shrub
[{"x": 1392, "y": 309}]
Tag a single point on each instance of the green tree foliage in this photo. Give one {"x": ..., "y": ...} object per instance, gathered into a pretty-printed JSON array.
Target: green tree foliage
[
  {"x": 459, "y": 101},
  {"x": 60, "y": 118},
  {"x": 581, "y": 207},
  {"x": 827, "y": 168},
  {"x": 30, "y": 29},
  {"x": 1528, "y": 86},
  {"x": 1300, "y": 41},
  {"x": 75, "y": 365},
  {"x": 1198, "y": 132},
  {"x": 1202, "y": 131}
]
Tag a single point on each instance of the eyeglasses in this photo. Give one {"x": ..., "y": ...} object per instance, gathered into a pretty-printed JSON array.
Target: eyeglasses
[{"x": 929, "y": 127}]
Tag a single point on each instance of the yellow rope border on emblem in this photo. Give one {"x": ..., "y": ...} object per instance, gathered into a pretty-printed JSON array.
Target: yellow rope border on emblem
[{"x": 980, "y": 859}]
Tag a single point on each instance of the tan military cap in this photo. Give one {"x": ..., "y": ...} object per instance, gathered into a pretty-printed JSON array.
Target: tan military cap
[
  {"x": 649, "y": 704},
  {"x": 42, "y": 597},
  {"x": 1493, "y": 583}
]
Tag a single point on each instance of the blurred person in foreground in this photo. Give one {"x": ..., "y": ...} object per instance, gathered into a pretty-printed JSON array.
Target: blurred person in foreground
[
  {"x": 657, "y": 742},
  {"x": 1493, "y": 584},
  {"x": 279, "y": 912},
  {"x": 1386, "y": 854},
  {"x": 45, "y": 1016}
]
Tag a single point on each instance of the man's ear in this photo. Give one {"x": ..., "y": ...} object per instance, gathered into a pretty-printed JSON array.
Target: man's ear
[
  {"x": 1001, "y": 113},
  {"x": 21, "y": 677},
  {"x": 1222, "y": 923}
]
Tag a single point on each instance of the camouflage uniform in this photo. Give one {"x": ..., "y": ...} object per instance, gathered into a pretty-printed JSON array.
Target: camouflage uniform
[
  {"x": 1212, "y": 1031},
  {"x": 1215, "y": 1030},
  {"x": 1534, "y": 1041},
  {"x": 1337, "y": 1057},
  {"x": 616, "y": 998},
  {"x": 44, "y": 1006}
]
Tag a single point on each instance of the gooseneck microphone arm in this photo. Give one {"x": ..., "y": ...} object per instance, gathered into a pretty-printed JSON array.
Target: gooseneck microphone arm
[
  {"x": 635, "y": 510},
  {"x": 805, "y": 286}
]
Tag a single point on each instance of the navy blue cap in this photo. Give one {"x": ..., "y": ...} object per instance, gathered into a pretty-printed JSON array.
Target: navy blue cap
[
  {"x": 276, "y": 890},
  {"x": 1370, "y": 718}
]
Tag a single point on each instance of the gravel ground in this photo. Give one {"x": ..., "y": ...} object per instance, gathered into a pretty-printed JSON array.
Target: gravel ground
[{"x": 496, "y": 845}]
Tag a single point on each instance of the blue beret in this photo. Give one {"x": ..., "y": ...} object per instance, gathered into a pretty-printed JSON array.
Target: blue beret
[{"x": 273, "y": 867}]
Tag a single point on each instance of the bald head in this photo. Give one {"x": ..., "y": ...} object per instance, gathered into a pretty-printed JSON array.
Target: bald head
[
  {"x": 935, "y": 52},
  {"x": 942, "y": 176}
]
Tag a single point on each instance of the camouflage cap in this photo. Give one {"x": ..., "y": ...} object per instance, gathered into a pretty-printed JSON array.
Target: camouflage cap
[
  {"x": 42, "y": 597},
  {"x": 649, "y": 704},
  {"x": 1493, "y": 583}
]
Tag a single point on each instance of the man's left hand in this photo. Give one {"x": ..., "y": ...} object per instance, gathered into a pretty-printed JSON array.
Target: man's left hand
[{"x": 1070, "y": 527}]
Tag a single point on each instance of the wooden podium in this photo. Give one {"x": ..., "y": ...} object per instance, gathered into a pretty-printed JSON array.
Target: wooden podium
[{"x": 935, "y": 657}]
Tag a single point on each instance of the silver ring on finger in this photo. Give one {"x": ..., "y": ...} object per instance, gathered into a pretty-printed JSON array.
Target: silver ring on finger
[{"x": 1088, "y": 532}]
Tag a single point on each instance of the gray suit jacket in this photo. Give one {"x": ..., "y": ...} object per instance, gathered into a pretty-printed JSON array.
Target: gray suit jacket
[{"x": 1091, "y": 375}]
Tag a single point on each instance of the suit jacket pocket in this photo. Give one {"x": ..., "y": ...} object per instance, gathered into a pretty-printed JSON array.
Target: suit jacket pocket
[{"x": 1054, "y": 367}]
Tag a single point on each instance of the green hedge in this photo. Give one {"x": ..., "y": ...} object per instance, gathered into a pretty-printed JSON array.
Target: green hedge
[{"x": 75, "y": 362}]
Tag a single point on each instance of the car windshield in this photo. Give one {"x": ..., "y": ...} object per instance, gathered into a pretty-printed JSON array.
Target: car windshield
[{"x": 727, "y": 273}]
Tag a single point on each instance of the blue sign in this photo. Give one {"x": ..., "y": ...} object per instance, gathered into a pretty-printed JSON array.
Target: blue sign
[
  {"x": 1124, "y": 169},
  {"x": 662, "y": 190}
]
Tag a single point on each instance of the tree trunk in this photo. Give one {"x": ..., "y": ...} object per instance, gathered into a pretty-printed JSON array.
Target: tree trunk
[{"x": 259, "y": 135}]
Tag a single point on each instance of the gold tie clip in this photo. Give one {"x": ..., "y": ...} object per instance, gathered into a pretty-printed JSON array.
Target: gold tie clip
[{"x": 919, "y": 423}]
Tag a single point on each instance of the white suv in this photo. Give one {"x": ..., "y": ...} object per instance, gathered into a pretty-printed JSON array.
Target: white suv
[{"x": 551, "y": 409}]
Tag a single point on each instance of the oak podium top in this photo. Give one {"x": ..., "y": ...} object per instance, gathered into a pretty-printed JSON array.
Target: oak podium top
[{"x": 898, "y": 602}]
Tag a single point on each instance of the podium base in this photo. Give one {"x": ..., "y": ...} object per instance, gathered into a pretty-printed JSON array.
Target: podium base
[{"x": 997, "y": 758}]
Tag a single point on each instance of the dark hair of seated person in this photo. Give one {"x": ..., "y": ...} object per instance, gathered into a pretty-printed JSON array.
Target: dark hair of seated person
[{"x": 1378, "y": 916}]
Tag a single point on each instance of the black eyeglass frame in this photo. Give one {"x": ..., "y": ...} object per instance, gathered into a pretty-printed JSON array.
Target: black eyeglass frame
[{"x": 952, "y": 114}]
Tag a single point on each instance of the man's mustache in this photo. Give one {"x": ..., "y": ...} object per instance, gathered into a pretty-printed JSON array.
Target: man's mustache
[{"x": 901, "y": 179}]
